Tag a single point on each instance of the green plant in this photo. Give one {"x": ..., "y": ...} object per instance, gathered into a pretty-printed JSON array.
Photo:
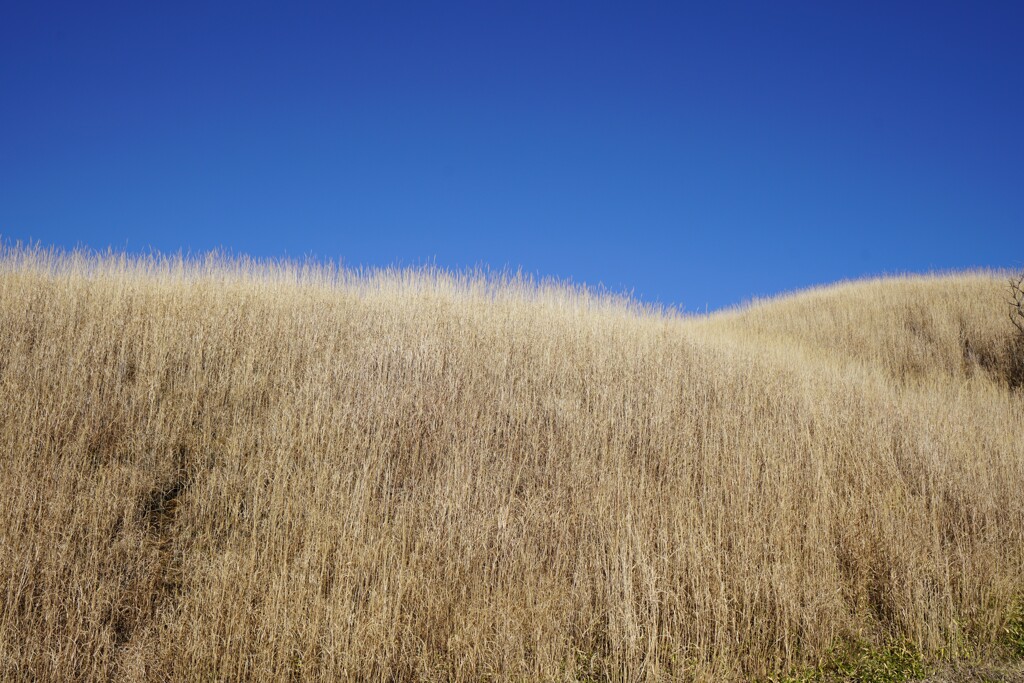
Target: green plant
[
  {"x": 862, "y": 663},
  {"x": 1014, "y": 630}
]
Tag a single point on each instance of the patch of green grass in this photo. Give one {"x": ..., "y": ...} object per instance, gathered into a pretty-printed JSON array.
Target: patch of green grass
[
  {"x": 1014, "y": 630},
  {"x": 862, "y": 663}
]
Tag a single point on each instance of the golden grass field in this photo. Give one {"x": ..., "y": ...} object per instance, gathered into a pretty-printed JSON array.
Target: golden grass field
[{"x": 220, "y": 469}]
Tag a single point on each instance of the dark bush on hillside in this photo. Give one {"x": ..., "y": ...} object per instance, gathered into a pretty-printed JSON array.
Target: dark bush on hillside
[{"x": 1015, "y": 366}]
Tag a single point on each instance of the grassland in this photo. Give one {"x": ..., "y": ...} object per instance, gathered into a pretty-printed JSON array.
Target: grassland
[{"x": 229, "y": 470}]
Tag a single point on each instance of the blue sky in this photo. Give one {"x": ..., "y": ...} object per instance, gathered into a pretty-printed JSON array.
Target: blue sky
[{"x": 697, "y": 154}]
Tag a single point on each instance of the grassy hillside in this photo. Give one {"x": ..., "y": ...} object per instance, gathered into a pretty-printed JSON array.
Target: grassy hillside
[{"x": 233, "y": 470}]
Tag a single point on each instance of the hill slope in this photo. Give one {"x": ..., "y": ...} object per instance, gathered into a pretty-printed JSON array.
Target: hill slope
[{"x": 238, "y": 470}]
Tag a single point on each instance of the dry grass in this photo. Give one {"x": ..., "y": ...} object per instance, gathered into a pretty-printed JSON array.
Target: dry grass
[{"x": 231, "y": 470}]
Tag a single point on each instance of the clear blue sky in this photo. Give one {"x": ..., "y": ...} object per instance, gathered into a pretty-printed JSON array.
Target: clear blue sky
[{"x": 695, "y": 153}]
